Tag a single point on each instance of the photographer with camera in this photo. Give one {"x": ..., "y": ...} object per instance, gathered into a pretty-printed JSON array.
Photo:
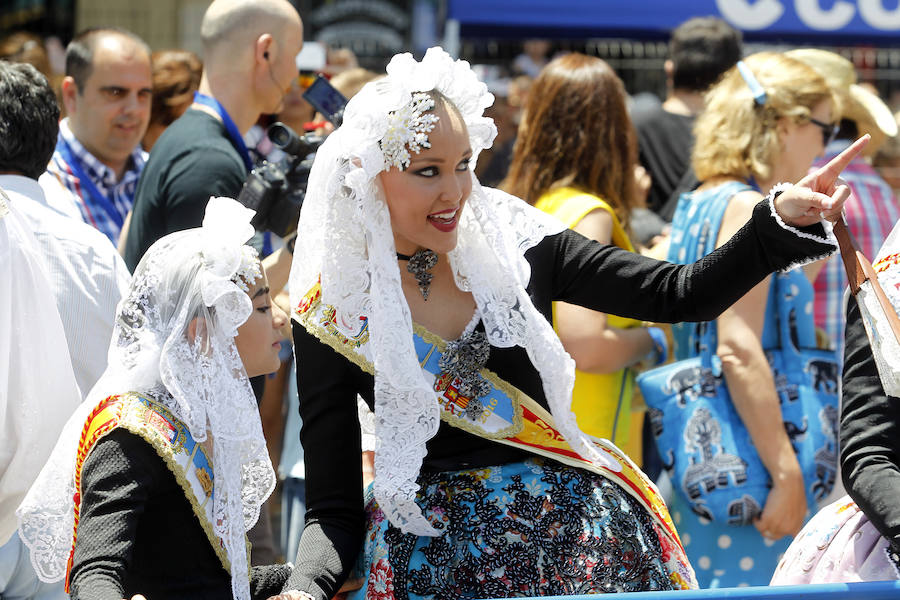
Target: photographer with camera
[
  {"x": 276, "y": 187},
  {"x": 248, "y": 53}
]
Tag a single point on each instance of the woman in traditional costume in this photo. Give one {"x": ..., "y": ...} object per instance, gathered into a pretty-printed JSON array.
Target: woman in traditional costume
[
  {"x": 160, "y": 472},
  {"x": 857, "y": 538},
  {"x": 431, "y": 297}
]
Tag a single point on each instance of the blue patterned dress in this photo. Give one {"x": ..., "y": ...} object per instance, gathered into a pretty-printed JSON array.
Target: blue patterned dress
[
  {"x": 531, "y": 528},
  {"x": 722, "y": 555}
]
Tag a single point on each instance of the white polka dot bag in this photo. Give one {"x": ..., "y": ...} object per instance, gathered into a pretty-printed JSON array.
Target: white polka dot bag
[{"x": 703, "y": 443}]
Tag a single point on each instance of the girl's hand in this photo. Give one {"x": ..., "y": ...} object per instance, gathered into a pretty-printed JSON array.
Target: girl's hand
[{"x": 820, "y": 194}]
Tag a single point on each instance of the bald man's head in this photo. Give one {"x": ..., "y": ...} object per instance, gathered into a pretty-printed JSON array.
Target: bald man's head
[{"x": 239, "y": 23}]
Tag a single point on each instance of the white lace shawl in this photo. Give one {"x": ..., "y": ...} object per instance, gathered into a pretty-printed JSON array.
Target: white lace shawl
[
  {"x": 345, "y": 238},
  {"x": 193, "y": 274}
]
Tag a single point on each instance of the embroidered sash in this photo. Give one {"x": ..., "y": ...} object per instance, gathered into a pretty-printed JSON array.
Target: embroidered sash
[
  {"x": 505, "y": 415},
  {"x": 172, "y": 441}
]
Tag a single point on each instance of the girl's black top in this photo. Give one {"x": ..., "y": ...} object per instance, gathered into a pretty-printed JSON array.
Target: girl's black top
[{"x": 137, "y": 533}]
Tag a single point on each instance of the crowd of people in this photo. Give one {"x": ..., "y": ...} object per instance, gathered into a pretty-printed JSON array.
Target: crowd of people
[{"x": 434, "y": 367}]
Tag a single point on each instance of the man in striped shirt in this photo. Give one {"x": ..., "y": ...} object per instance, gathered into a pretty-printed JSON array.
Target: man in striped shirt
[
  {"x": 106, "y": 92},
  {"x": 872, "y": 210}
]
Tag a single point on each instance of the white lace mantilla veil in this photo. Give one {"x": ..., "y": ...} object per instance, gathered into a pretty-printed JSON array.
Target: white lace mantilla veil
[
  {"x": 187, "y": 275},
  {"x": 345, "y": 238}
]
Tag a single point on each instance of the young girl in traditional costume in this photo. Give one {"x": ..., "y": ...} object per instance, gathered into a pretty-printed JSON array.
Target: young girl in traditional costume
[
  {"x": 430, "y": 297},
  {"x": 158, "y": 475}
]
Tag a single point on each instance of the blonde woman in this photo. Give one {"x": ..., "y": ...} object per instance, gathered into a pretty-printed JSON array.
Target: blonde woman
[{"x": 764, "y": 123}]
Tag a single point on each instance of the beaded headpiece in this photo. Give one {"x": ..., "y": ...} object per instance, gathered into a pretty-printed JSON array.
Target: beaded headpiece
[
  {"x": 407, "y": 131},
  {"x": 249, "y": 270}
]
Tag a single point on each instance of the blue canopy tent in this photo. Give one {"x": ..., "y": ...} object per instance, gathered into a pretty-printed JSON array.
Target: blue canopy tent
[{"x": 826, "y": 21}]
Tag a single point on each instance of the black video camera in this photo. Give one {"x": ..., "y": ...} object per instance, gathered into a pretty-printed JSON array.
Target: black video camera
[{"x": 276, "y": 190}]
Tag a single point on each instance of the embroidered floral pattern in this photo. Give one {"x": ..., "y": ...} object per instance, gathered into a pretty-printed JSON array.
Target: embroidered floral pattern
[
  {"x": 381, "y": 581},
  {"x": 525, "y": 529}
]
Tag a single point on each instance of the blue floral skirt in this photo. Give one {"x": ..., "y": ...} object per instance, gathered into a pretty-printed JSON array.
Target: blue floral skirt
[{"x": 532, "y": 528}]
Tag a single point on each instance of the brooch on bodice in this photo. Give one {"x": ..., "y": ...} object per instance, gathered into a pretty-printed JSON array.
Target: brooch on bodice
[{"x": 463, "y": 359}]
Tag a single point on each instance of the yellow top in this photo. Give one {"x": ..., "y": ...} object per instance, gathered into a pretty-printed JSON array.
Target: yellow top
[{"x": 601, "y": 402}]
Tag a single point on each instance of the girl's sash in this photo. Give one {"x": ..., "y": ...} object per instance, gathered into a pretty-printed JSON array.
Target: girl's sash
[
  {"x": 505, "y": 415},
  {"x": 171, "y": 439}
]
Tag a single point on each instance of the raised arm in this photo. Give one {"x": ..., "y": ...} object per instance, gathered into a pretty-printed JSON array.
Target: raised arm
[{"x": 615, "y": 281}]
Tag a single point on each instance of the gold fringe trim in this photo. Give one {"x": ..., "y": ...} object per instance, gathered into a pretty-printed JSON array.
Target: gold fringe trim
[{"x": 164, "y": 450}]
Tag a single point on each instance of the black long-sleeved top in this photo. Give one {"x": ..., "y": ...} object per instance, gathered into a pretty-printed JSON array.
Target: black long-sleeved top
[
  {"x": 566, "y": 266},
  {"x": 870, "y": 433},
  {"x": 137, "y": 533}
]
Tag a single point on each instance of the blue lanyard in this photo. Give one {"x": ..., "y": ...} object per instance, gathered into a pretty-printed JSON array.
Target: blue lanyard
[
  {"x": 87, "y": 185},
  {"x": 751, "y": 181},
  {"x": 230, "y": 128},
  {"x": 238, "y": 140}
]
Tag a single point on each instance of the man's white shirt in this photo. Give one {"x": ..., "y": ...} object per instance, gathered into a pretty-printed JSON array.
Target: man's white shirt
[{"x": 87, "y": 275}]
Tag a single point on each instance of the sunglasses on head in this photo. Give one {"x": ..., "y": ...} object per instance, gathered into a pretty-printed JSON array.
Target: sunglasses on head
[{"x": 829, "y": 130}]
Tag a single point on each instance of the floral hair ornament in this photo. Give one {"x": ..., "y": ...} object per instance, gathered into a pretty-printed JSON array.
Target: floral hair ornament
[
  {"x": 407, "y": 131},
  {"x": 229, "y": 264}
]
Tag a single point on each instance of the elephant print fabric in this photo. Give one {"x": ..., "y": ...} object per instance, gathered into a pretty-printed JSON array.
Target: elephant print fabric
[{"x": 704, "y": 445}]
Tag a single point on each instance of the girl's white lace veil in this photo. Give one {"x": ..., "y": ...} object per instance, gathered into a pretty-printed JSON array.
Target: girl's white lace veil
[
  {"x": 345, "y": 241},
  {"x": 173, "y": 341}
]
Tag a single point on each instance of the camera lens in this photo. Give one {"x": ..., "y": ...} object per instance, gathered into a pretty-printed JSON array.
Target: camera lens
[{"x": 279, "y": 134}]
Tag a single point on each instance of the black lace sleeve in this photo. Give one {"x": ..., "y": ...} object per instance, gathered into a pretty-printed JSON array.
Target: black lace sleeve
[
  {"x": 335, "y": 522},
  {"x": 615, "y": 281},
  {"x": 267, "y": 581},
  {"x": 870, "y": 434}
]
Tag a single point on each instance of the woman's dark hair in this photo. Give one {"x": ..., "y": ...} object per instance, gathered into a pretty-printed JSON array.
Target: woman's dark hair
[{"x": 575, "y": 131}]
